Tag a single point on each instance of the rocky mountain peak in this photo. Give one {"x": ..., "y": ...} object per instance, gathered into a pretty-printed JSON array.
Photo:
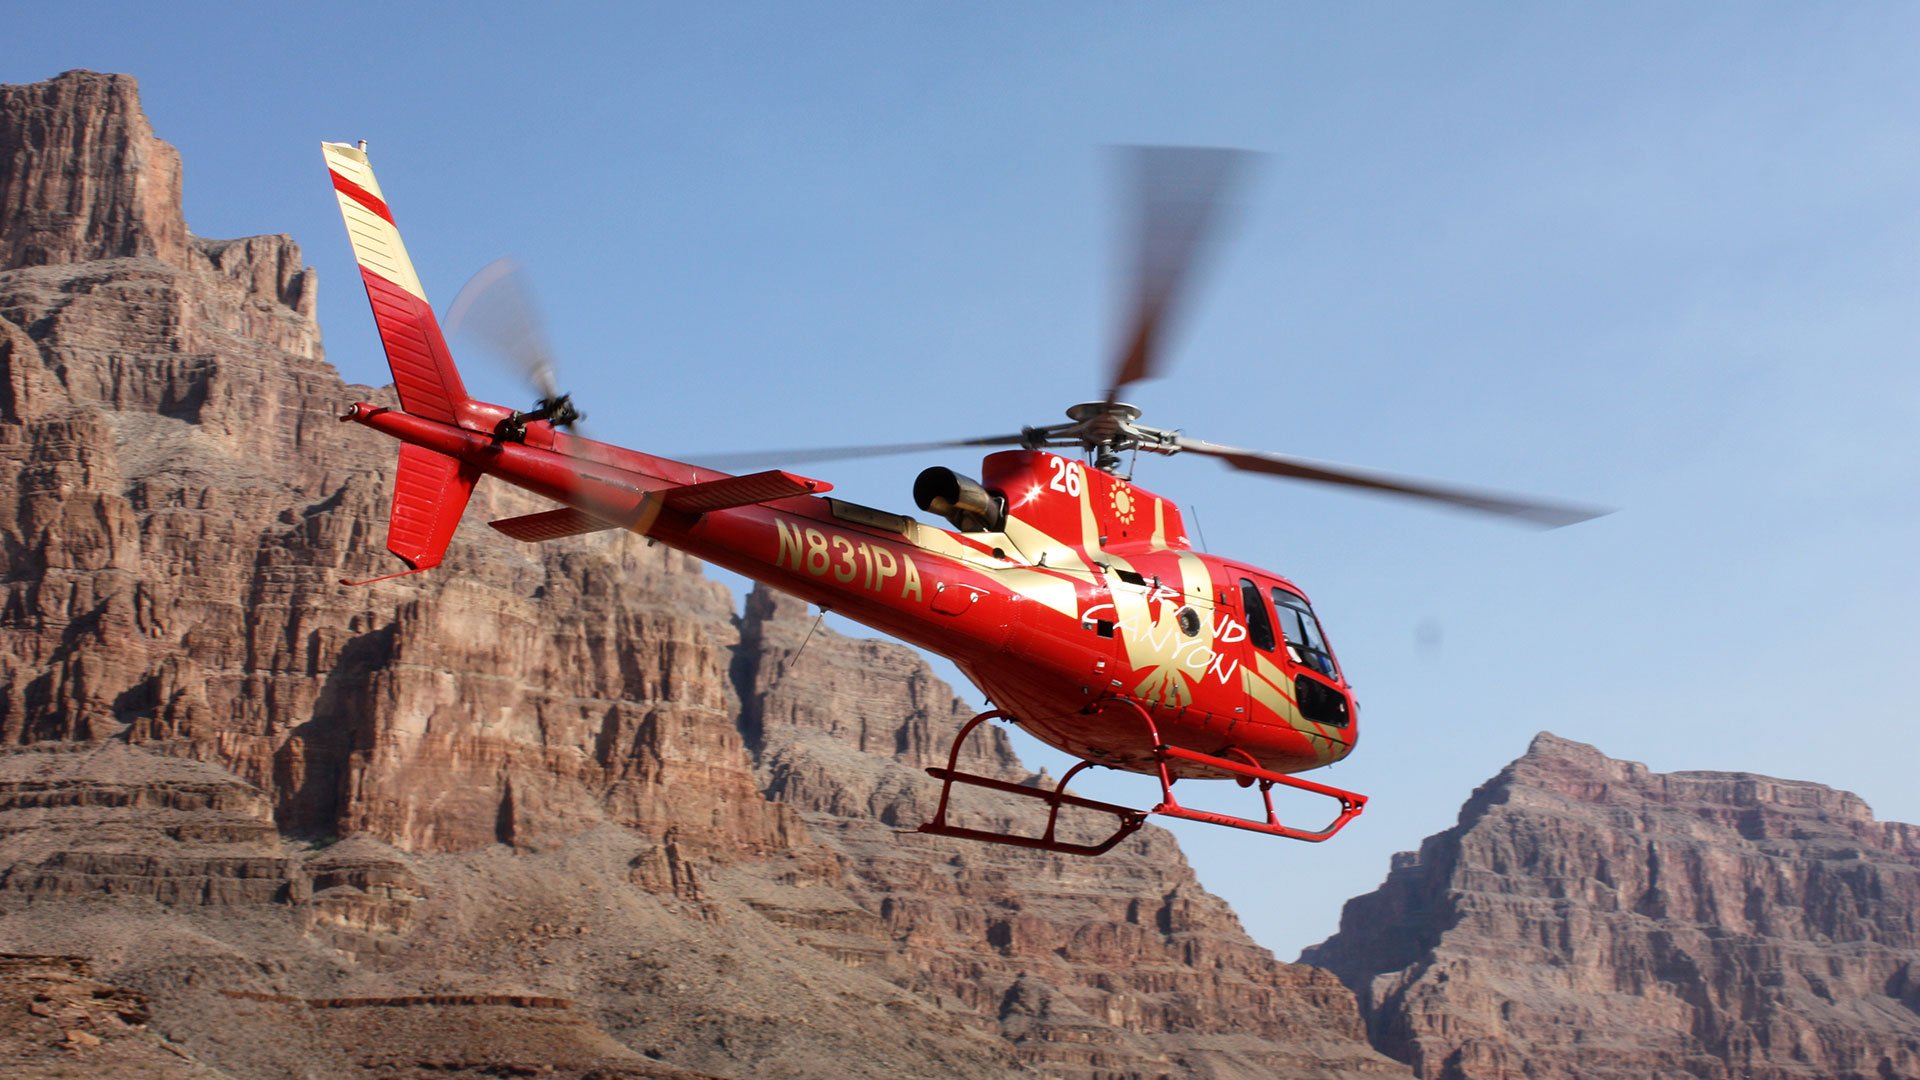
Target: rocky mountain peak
[
  {"x": 1589, "y": 917},
  {"x": 82, "y": 176},
  {"x": 1547, "y": 745},
  {"x": 1575, "y": 773}
]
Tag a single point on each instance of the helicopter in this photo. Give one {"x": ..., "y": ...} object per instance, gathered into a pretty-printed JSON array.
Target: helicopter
[{"x": 1071, "y": 596}]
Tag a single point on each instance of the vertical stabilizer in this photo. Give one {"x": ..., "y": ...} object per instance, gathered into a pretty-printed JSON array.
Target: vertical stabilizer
[{"x": 423, "y": 371}]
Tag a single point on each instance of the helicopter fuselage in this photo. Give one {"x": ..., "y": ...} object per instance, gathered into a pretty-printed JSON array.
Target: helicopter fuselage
[{"x": 1086, "y": 601}]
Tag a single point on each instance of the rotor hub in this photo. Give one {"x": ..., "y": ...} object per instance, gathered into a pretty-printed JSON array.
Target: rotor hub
[
  {"x": 1103, "y": 430},
  {"x": 1093, "y": 410}
]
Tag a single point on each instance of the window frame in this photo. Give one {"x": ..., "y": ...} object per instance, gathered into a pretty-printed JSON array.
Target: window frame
[{"x": 1258, "y": 616}]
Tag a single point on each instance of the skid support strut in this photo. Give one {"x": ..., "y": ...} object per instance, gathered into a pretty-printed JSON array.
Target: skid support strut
[
  {"x": 1128, "y": 819},
  {"x": 1234, "y": 763}
]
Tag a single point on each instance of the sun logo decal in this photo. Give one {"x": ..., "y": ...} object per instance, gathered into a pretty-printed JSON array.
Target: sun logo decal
[{"x": 1124, "y": 505}]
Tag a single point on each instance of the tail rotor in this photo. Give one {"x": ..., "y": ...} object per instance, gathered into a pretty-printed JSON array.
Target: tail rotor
[{"x": 496, "y": 310}]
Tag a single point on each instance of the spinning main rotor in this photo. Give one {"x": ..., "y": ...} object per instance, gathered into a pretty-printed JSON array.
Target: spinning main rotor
[{"x": 1180, "y": 195}]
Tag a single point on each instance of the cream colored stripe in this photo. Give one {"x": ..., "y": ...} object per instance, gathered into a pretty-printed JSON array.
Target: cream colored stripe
[
  {"x": 1270, "y": 696},
  {"x": 351, "y": 162},
  {"x": 1043, "y": 588},
  {"x": 376, "y": 242}
]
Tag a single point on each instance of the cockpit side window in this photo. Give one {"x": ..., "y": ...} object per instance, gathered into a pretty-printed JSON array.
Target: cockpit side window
[
  {"x": 1259, "y": 623},
  {"x": 1304, "y": 641}
]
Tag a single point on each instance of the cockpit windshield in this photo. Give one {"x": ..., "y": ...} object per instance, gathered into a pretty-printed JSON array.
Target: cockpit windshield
[{"x": 1304, "y": 641}]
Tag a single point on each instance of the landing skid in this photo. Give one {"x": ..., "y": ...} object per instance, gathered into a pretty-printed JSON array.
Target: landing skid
[{"x": 1244, "y": 772}]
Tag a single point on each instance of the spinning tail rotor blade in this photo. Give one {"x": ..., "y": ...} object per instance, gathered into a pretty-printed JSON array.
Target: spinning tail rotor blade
[
  {"x": 1179, "y": 195},
  {"x": 496, "y": 310},
  {"x": 1547, "y": 515}
]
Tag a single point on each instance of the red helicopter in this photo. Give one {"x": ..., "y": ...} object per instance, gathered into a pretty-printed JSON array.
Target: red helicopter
[{"x": 1069, "y": 595}]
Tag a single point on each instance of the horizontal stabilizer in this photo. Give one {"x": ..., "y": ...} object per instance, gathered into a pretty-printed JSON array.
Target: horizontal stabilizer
[
  {"x": 741, "y": 491},
  {"x": 552, "y": 525},
  {"x": 691, "y": 499}
]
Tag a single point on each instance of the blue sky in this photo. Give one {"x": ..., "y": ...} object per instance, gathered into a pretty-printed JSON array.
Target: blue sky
[{"x": 1661, "y": 257}]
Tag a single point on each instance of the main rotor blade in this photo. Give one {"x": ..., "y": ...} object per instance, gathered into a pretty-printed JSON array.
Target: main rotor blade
[
  {"x": 495, "y": 309},
  {"x": 741, "y": 459},
  {"x": 1178, "y": 194},
  {"x": 1544, "y": 514}
]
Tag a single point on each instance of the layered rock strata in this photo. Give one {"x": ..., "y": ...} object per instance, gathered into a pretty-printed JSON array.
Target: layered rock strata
[
  {"x": 82, "y": 176},
  {"x": 1589, "y": 918}
]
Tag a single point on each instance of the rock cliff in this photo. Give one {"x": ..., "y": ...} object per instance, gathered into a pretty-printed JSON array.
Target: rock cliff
[
  {"x": 84, "y": 176},
  {"x": 555, "y": 806},
  {"x": 1589, "y": 918}
]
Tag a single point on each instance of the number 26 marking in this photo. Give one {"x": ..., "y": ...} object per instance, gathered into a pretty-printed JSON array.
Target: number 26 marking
[{"x": 1066, "y": 476}]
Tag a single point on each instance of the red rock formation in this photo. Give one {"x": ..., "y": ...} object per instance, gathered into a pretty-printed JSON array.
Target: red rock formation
[
  {"x": 184, "y": 501},
  {"x": 84, "y": 177},
  {"x": 1589, "y": 918},
  {"x": 535, "y": 755}
]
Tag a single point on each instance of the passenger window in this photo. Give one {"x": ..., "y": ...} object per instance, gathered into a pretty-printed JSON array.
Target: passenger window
[
  {"x": 1305, "y": 644},
  {"x": 1259, "y": 623}
]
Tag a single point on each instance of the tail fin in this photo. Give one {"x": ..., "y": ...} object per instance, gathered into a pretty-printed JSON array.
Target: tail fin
[
  {"x": 430, "y": 489},
  {"x": 430, "y": 492},
  {"x": 423, "y": 372}
]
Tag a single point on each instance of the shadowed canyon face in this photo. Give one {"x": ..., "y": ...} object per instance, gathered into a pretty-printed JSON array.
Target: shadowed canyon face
[{"x": 561, "y": 807}]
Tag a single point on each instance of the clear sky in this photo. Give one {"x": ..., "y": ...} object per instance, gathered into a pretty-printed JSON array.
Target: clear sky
[{"x": 1657, "y": 256}]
